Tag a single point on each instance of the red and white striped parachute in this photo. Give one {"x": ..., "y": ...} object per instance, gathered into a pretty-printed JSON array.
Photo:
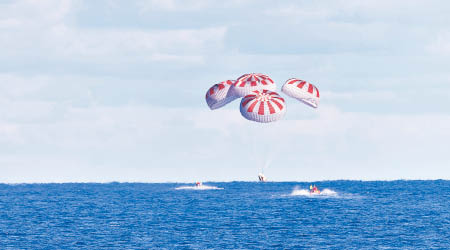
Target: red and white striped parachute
[
  {"x": 263, "y": 106},
  {"x": 219, "y": 95},
  {"x": 302, "y": 91},
  {"x": 248, "y": 83}
]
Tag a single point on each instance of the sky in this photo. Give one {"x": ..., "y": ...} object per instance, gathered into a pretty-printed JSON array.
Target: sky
[{"x": 108, "y": 90}]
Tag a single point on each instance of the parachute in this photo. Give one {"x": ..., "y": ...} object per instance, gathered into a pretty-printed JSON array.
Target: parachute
[
  {"x": 263, "y": 106},
  {"x": 302, "y": 91},
  {"x": 260, "y": 102},
  {"x": 247, "y": 83},
  {"x": 219, "y": 95}
]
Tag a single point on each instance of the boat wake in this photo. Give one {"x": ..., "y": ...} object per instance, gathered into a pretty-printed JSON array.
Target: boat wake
[
  {"x": 304, "y": 192},
  {"x": 202, "y": 187}
]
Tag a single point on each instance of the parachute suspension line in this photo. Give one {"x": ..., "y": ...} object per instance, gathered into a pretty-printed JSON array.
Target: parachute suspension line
[
  {"x": 264, "y": 141},
  {"x": 273, "y": 141}
]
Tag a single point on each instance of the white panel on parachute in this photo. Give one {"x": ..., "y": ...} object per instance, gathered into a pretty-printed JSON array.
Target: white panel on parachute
[
  {"x": 302, "y": 91},
  {"x": 263, "y": 106}
]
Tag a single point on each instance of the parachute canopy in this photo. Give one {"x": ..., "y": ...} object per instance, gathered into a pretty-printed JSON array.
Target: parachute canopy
[
  {"x": 302, "y": 91},
  {"x": 263, "y": 106},
  {"x": 248, "y": 83},
  {"x": 260, "y": 102},
  {"x": 219, "y": 95}
]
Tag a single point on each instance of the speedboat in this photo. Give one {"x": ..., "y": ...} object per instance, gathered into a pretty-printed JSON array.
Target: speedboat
[{"x": 317, "y": 191}]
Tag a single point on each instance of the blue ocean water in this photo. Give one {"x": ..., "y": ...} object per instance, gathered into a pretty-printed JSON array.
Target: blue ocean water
[{"x": 234, "y": 215}]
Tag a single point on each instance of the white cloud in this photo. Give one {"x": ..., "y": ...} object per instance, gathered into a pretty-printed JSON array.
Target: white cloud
[
  {"x": 45, "y": 30},
  {"x": 62, "y": 42},
  {"x": 171, "y": 5},
  {"x": 146, "y": 44},
  {"x": 189, "y": 5},
  {"x": 125, "y": 102},
  {"x": 359, "y": 96},
  {"x": 9, "y": 23},
  {"x": 37, "y": 14},
  {"x": 360, "y": 11},
  {"x": 440, "y": 44},
  {"x": 156, "y": 139},
  {"x": 14, "y": 86}
]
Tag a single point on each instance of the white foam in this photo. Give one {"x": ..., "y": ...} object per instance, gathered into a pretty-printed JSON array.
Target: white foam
[
  {"x": 327, "y": 191},
  {"x": 305, "y": 192},
  {"x": 202, "y": 187}
]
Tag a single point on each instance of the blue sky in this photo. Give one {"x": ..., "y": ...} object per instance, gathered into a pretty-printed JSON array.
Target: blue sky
[{"x": 114, "y": 90}]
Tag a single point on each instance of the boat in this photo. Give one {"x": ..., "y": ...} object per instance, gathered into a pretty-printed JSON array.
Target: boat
[
  {"x": 261, "y": 177},
  {"x": 314, "y": 189}
]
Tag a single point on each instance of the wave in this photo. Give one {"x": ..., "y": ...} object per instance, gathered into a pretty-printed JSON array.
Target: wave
[{"x": 202, "y": 187}]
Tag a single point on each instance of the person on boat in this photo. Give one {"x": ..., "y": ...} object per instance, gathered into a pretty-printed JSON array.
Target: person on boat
[
  {"x": 313, "y": 189},
  {"x": 198, "y": 184},
  {"x": 316, "y": 190}
]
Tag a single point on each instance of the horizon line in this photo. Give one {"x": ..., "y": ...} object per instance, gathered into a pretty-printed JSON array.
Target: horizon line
[{"x": 183, "y": 182}]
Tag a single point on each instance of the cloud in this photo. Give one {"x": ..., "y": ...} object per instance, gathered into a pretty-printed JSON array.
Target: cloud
[
  {"x": 440, "y": 45},
  {"x": 152, "y": 139},
  {"x": 355, "y": 145},
  {"x": 189, "y": 5},
  {"x": 171, "y": 5},
  {"x": 62, "y": 42},
  {"x": 360, "y": 96},
  {"x": 98, "y": 91},
  {"x": 15, "y": 86},
  {"x": 53, "y": 36}
]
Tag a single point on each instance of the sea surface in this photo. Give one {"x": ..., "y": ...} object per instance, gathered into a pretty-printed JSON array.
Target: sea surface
[{"x": 232, "y": 215}]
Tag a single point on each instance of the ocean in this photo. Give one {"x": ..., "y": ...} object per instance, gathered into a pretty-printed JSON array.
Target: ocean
[{"x": 231, "y": 215}]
